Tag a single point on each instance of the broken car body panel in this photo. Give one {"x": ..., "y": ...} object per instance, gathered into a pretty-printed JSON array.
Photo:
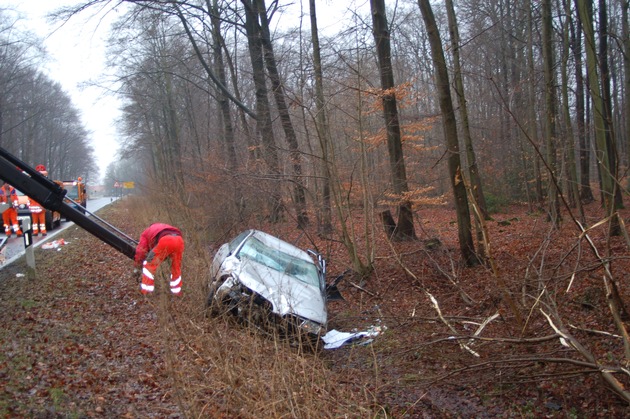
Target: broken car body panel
[{"x": 283, "y": 275}]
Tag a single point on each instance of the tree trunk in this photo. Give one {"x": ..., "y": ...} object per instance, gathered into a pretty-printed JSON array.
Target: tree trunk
[
  {"x": 626, "y": 72},
  {"x": 531, "y": 130},
  {"x": 263, "y": 113},
  {"x": 224, "y": 106},
  {"x": 323, "y": 129},
  {"x": 570, "y": 141},
  {"x": 404, "y": 229},
  {"x": 299, "y": 194},
  {"x": 449, "y": 126},
  {"x": 586, "y": 194},
  {"x": 611, "y": 144},
  {"x": 602, "y": 150},
  {"x": 473, "y": 170},
  {"x": 551, "y": 112}
]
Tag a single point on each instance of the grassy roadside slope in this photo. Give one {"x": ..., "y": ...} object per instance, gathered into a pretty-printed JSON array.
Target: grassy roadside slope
[{"x": 81, "y": 341}]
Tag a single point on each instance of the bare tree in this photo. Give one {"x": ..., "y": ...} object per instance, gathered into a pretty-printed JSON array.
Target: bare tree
[
  {"x": 551, "y": 112},
  {"x": 299, "y": 194},
  {"x": 449, "y": 125},
  {"x": 263, "y": 108},
  {"x": 604, "y": 159},
  {"x": 323, "y": 129},
  {"x": 473, "y": 170},
  {"x": 404, "y": 228}
]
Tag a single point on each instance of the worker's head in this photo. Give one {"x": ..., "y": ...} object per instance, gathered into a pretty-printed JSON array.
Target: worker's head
[{"x": 41, "y": 169}]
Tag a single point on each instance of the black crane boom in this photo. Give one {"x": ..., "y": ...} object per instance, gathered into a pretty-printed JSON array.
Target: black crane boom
[{"x": 51, "y": 196}]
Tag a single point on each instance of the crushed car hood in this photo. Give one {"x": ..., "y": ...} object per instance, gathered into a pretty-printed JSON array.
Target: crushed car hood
[{"x": 287, "y": 294}]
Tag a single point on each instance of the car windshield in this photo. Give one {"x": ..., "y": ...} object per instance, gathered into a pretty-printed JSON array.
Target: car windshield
[
  {"x": 254, "y": 249},
  {"x": 73, "y": 191}
]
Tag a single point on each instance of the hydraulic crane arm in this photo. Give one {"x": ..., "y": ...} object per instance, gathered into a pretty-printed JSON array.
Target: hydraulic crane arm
[{"x": 51, "y": 196}]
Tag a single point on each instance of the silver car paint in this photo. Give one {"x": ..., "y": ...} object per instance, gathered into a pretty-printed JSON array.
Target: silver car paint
[{"x": 286, "y": 294}]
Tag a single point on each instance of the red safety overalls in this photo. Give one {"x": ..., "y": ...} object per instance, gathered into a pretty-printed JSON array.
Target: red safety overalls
[
  {"x": 9, "y": 216},
  {"x": 38, "y": 215},
  {"x": 157, "y": 243}
]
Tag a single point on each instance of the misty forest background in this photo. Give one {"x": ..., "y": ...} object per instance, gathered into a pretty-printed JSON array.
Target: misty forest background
[{"x": 472, "y": 104}]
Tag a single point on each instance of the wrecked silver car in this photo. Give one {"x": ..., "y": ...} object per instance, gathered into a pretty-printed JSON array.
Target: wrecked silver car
[{"x": 270, "y": 284}]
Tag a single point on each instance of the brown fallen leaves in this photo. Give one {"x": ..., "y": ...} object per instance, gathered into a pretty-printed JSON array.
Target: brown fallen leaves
[{"x": 80, "y": 340}]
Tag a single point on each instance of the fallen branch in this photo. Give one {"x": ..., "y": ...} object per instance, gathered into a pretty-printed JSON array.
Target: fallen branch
[
  {"x": 569, "y": 341},
  {"x": 439, "y": 312},
  {"x": 362, "y": 289}
]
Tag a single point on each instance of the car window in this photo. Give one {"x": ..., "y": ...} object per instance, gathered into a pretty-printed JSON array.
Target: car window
[
  {"x": 237, "y": 240},
  {"x": 300, "y": 269}
]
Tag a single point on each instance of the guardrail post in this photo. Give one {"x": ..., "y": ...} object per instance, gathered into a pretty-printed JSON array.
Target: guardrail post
[{"x": 29, "y": 251}]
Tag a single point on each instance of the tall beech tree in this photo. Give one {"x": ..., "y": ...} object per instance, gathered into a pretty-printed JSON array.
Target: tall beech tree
[
  {"x": 323, "y": 128},
  {"x": 263, "y": 108},
  {"x": 603, "y": 149},
  {"x": 404, "y": 228},
  {"x": 299, "y": 194},
  {"x": 473, "y": 169},
  {"x": 551, "y": 111},
  {"x": 449, "y": 126}
]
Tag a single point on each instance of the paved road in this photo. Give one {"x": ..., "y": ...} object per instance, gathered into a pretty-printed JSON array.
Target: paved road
[{"x": 14, "y": 248}]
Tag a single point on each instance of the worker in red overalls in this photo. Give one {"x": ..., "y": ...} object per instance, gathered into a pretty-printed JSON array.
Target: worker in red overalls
[
  {"x": 157, "y": 243},
  {"x": 38, "y": 214},
  {"x": 8, "y": 195}
]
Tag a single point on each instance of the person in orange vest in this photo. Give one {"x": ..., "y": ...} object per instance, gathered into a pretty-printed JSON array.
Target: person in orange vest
[
  {"x": 157, "y": 243},
  {"x": 8, "y": 195},
  {"x": 38, "y": 214}
]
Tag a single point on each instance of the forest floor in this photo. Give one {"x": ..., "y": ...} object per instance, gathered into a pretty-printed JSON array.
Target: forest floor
[{"x": 80, "y": 341}]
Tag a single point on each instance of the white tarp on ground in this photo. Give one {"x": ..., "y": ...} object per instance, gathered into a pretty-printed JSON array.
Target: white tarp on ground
[{"x": 335, "y": 339}]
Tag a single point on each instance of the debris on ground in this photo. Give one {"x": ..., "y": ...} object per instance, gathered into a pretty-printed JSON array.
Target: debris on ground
[
  {"x": 335, "y": 339},
  {"x": 55, "y": 244}
]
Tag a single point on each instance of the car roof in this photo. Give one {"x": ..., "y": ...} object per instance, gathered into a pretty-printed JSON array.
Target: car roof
[{"x": 281, "y": 245}]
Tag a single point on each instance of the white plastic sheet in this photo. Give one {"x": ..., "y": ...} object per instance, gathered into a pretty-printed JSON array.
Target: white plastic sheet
[{"x": 335, "y": 339}]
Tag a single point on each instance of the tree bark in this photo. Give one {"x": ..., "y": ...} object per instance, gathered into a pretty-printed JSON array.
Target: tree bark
[
  {"x": 404, "y": 229},
  {"x": 586, "y": 194},
  {"x": 299, "y": 194},
  {"x": 473, "y": 170},
  {"x": 224, "y": 105},
  {"x": 602, "y": 150},
  {"x": 449, "y": 126},
  {"x": 611, "y": 143},
  {"x": 570, "y": 141},
  {"x": 263, "y": 113},
  {"x": 626, "y": 72},
  {"x": 323, "y": 129},
  {"x": 551, "y": 112}
]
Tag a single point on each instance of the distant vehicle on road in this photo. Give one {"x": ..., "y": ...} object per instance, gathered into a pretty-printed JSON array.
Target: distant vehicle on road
[{"x": 76, "y": 191}]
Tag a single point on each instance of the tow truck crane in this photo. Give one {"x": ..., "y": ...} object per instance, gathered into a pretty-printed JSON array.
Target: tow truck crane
[{"x": 51, "y": 196}]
